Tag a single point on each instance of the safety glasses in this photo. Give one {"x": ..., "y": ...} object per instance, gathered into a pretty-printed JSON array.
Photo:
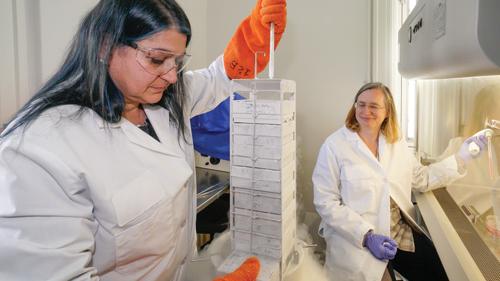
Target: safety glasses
[
  {"x": 372, "y": 107},
  {"x": 159, "y": 62}
]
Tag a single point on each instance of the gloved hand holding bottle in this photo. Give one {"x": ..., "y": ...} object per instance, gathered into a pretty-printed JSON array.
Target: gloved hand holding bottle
[
  {"x": 253, "y": 36},
  {"x": 474, "y": 145},
  {"x": 381, "y": 247}
]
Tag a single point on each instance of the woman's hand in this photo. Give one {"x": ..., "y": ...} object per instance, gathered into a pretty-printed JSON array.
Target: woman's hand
[
  {"x": 474, "y": 145},
  {"x": 272, "y": 11},
  {"x": 252, "y": 36},
  {"x": 381, "y": 246}
]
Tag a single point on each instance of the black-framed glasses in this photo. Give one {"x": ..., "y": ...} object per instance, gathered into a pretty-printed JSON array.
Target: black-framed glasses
[
  {"x": 158, "y": 61},
  {"x": 372, "y": 107}
]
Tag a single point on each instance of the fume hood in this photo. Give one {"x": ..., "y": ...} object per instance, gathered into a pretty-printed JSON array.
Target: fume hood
[
  {"x": 454, "y": 38},
  {"x": 458, "y": 39}
]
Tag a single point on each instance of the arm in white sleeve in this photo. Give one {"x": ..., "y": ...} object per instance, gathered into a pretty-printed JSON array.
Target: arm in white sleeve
[
  {"x": 328, "y": 200},
  {"x": 206, "y": 88},
  {"x": 46, "y": 226},
  {"x": 436, "y": 175}
]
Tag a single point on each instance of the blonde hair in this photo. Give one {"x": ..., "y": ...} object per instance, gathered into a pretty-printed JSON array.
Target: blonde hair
[{"x": 389, "y": 127}]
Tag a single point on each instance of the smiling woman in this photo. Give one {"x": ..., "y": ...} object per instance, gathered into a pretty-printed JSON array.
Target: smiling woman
[
  {"x": 381, "y": 111},
  {"x": 363, "y": 181}
]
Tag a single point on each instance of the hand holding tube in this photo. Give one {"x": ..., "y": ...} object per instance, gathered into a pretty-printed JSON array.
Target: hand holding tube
[
  {"x": 273, "y": 11},
  {"x": 252, "y": 36},
  {"x": 474, "y": 145}
]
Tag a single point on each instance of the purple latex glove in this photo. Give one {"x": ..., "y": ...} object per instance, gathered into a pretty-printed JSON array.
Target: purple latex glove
[
  {"x": 473, "y": 146},
  {"x": 382, "y": 247}
]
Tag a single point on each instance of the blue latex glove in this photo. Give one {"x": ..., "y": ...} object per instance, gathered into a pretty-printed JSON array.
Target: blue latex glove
[
  {"x": 473, "y": 146},
  {"x": 382, "y": 247}
]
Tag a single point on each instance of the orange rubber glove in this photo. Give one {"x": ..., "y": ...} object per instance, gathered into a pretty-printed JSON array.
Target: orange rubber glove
[
  {"x": 252, "y": 36},
  {"x": 248, "y": 271}
]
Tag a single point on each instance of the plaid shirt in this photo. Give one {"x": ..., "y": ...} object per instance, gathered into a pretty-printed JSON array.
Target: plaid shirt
[{"x": 400, "y": 230}]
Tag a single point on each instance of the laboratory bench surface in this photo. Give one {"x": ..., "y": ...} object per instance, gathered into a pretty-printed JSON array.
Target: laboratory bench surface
[
  {"x": 210, "y": 185},
  {"x": 464, "y": 255}
]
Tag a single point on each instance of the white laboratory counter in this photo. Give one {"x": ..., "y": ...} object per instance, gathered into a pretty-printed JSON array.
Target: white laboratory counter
[
  {"x": 211, "y": 184},
  {"x": 464, "y": 254}
]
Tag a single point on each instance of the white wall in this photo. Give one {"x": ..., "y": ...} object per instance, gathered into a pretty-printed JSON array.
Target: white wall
[
  {"x": 20, "y": 68},
  {"x": 196, "y": 11},
  {"x": 35, "y": 36},
  {"x": 325, "y": 49},
  {"x": 59, "y": 21},
  {"x": 8, "y": 85}
]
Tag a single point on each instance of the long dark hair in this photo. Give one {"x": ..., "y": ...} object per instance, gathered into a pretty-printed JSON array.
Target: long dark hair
[{"x": 83, "y": 78}]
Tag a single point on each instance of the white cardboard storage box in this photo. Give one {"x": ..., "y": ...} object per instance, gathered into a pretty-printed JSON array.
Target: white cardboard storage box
[
  {"x": 272, "y": 164},
  {"x": 286, "y": 173},
  {"x": 263, "y": 106},
  {"x": 264, "y": 174},
  {"x": 264, "y": 179},
  {"x": 263, "y": 111},
  {"x": 273, "y": 141},
  {"x": 262, "y": 185},
  {"x": 263, "y": 129},
  {"x": 264, "y": 244},
  {"x": 267, "y": 101},
  {"x": 262, "y": 201},
  {"x": 263, "y": 152},
  {"x": 274, "y": 225}
]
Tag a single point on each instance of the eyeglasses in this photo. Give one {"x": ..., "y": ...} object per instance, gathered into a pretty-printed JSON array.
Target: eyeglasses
[
  {"x": 159, "y": 62},
  {"x": 373, "y": 107}
]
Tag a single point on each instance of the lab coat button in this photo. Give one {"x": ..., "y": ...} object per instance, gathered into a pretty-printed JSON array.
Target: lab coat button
[{"x": 183, "y": 223}]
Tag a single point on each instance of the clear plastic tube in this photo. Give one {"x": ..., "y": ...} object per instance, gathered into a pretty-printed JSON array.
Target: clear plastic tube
[
  {"x": 490, "y": 158},
  {"x": 491, "y": 124}
]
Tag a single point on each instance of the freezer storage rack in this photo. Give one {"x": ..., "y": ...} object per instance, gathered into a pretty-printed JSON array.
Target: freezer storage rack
[{"x": 263, "y": 169}]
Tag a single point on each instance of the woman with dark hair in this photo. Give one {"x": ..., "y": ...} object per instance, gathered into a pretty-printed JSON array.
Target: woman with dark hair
[
  {"x": 96, "y": 170},
  {"x": 363, "y": 180}
]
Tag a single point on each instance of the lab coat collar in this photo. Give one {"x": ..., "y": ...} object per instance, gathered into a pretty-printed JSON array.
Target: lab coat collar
[
  {"x": 101, "y": 123},
  {"x": 354, "y": 138},
  {"x": 350, "y": 135},
  {"x": 159, "y": 118},
  {"x": 382, "y": 145},
  {"x": 151, "y": 111}
]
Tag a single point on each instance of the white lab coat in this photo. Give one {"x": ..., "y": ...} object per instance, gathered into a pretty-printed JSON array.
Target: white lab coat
[
  {"x": 84, "y": 200},
  {"x": 352, "y": 191}
]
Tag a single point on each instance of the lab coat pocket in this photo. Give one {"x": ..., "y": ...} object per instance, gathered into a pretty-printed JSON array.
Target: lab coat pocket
[
  {"x": 358, "y": 189},
  {"x": 144, "y": 217}
]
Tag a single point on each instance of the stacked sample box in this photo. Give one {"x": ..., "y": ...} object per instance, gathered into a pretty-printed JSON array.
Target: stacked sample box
[{"x": 263, "y": 173}]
